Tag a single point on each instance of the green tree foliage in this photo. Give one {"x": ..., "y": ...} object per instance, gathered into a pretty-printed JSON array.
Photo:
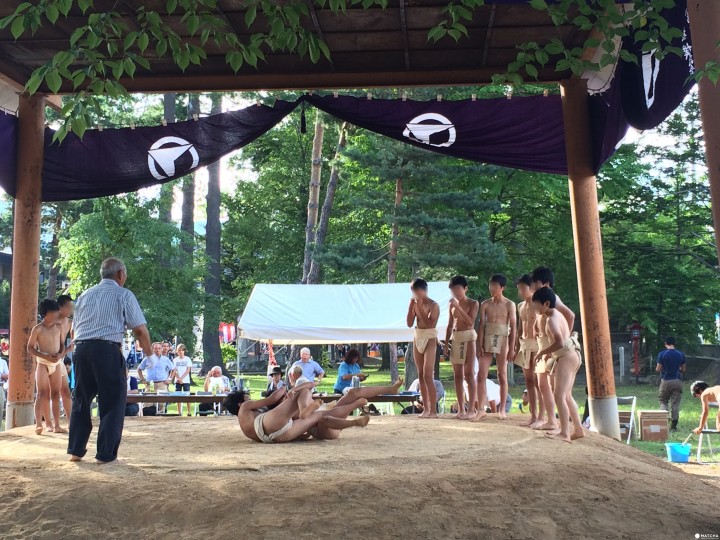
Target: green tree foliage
[
  {"x": 128, "y": 228},
  {"x": 660, "y": 251}
]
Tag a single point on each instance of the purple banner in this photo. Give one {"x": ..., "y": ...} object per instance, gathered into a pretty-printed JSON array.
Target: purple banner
[
  {"x": 523, "y": 133},
  {"x": 116, "y": 161},
  {"x": 8, "y": 151}
]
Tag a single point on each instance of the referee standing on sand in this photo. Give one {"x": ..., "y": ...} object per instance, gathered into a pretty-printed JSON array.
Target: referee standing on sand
[{"x": 102, "y": 313}]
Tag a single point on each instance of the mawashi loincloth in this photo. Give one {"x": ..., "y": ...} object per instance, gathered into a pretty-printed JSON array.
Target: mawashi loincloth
[
  {"x": 460, "y": 339},
  {"x": 525, "y": 354},
  {"x": 571, "y": 346},
  {"x": 260, "y": 431},
  {"x": 51, "y": 366},
  {"x": 423, "y": 337},
  {"x": 494, "y": 333},
  {"x": 542, "y": 366}
]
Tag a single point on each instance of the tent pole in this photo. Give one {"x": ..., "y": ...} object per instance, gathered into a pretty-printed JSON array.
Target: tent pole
[
  {"x": 704, "y": 18},
  {"x": 589, "y": 259},
  {"x": 26, "y": 255}
]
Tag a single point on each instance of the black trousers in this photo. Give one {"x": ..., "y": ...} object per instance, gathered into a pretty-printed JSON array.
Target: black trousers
[{"x": 99, "y": 371}]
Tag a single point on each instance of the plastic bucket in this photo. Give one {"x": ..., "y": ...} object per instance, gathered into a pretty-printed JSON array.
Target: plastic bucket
[{"x": 678, "y": 452}]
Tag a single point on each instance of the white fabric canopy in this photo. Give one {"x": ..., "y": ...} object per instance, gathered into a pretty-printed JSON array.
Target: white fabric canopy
[{"x": 322, "y": 314}]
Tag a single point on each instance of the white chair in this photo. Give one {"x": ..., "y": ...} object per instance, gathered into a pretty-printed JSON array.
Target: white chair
[
  {"x": 705, "y": 435},
  {"x": 385, "y": 408},
  {"x": 625, "y": 421}
]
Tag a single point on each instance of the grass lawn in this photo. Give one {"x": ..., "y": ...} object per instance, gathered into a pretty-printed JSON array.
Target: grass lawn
[{"x": 646, "y": 400}]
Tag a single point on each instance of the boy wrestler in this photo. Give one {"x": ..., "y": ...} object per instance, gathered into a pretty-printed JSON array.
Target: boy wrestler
[
  {"x": 707, "y": 395},
  {"x": 496, "y": 339},
  {"x": 424, "y": 314},
  {"x": 461, "y": 330},
  {"x": 46, "y": 343},
  {"x": 527, "y": 346},
  {"x": 565, "y": 350}
]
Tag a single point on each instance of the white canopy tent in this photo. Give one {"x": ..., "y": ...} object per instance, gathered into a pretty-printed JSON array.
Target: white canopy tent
[{"x": 326, "y": 314}]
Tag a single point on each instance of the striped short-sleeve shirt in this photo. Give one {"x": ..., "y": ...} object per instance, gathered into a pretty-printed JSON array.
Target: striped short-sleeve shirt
[{"x": 105, "y": 311}]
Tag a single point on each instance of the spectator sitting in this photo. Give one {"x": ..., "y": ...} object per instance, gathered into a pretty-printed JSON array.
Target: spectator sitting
[
  {"x": 276, "y": 381},
  {"x": 135, "y": 355},
  {"x": 348, "y": 369},
  {"x": 131, "y": 409},
  {"x": 216, "y": 380},
  {"x": 493, "y": 396},
  {"x": 418, "y": 406},
  {"x": 310, "y": 367},
  {"x": 492, "y": 392},
  {"x": 293, "y": 374}
]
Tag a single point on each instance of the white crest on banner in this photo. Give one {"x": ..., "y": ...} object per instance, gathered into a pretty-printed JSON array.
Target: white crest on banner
[
  {"x": 162, "y": 158},
  {"x": 422, "y": 128}
]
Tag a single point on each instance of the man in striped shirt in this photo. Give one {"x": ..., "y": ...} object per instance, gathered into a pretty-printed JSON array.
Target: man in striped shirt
[{"x": 102, "y": 314}]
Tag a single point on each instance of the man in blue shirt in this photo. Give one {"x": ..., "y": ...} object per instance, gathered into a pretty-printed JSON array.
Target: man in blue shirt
[
  {"x": 671, "y": 366},
  {"x": 309, "y": 366}
]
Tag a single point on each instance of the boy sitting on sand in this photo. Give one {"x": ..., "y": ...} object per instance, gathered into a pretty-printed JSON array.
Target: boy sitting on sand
[{"x": 707, "y": 394}]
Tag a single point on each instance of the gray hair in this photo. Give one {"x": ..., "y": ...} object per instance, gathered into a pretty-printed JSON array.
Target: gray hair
[
  {"x": 305, "y": 349},
  {"x": 110, "y": 267}
]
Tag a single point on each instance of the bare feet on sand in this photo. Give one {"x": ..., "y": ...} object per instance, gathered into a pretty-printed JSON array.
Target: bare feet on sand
[
  {"x": 537, "y": 424},
  {"x": 58, "y": 429},
  {"x": 75, "y": 459},
  {"x": 38, "y": 430},
  {"x": 548, "y": 426},
  {"x": 577, "y": 435},
  {"x": 468, "y": 415},
  {"x": 429, "y": 415},
  {"x": 503, "y": 415},
  {"x": 480, "y": 416},
  {"x": 101, "y": 462},
  {"x": 559, "y": 437}
]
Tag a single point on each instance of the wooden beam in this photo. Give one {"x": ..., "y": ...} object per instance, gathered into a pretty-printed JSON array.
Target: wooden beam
[
  {"x": 488, "y": 36},
  {"x": 318, "y": 28},
  {"x": 403, "y": 28}
]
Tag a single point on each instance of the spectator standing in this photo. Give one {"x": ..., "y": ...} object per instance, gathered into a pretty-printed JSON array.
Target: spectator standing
[
  {"x": 309, "y": 366},
  {"x": 671, "y": 365},
  {"x": 102, "y": 314},
  {"x": 183, "y": 364}
]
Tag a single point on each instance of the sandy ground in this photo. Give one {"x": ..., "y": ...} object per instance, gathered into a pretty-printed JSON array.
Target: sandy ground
[{"x": 401, "y": 477}]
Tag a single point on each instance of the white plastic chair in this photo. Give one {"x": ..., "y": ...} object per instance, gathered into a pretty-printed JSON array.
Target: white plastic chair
[
  {"x": 385, "y": 408},
  {"x": 630, "y": 424}
]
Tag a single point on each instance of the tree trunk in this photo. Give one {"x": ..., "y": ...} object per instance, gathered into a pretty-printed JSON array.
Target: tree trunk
[
  {"x": 313, "y": 196},
  {"x": 322, "y": 228},
  {"x": 211, "y": 318},
  {"x": 392, "y": 276},
  {"x": 166, "y": 190},
  {"x": 53, "y": 272},
  {"x": 187, "y": 224}
]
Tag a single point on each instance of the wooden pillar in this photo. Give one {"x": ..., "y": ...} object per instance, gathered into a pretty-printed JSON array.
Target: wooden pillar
[
  {"x": 704, "y": 23},
  {"x": 589, "y": 259},
  {"x": 26, "y": 255}
]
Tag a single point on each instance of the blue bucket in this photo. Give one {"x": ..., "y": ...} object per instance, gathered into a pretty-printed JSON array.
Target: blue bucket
[{"x": 678, "y": 452}]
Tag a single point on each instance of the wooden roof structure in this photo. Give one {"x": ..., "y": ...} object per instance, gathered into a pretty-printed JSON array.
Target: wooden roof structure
[{"x": 369, "y": 48}]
